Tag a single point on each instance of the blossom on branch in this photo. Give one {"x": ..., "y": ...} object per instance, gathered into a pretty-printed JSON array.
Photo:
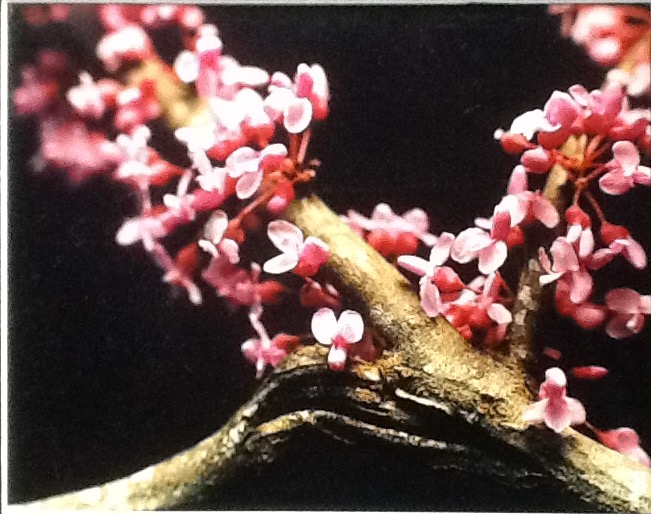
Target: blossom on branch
[
  {"x": 628, "y": 309},
  {"x": 555, "y": 409},
  {"x": 305, "y": 257},
  {"x": 338, "y": 334}
]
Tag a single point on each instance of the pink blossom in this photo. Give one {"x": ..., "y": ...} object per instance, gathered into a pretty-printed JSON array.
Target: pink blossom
[
  {"x": 297, "y": 103},
  {"x": 179, "y": 271},
  {"x": 490, "y": 248},
  {"x": 483, "y": 312},
  {"x": 600, "y": 108},
  {"x": 625, "y": 170},
  {"x": 136, "y": 106},
  {"x": 605, "y": 32},
  {"x": 210, "y": 178},
  {"x": 637, "y": 82},
  {"x": 216, "y": 75},
  {"x": 628, "y": 309},
  {"x": 129, "y": 43},
  {"x": 144, "y": 228},
  {"x": 555, "y": 409},
  {"x": 249, "y": 165},
  {"x": 525, "y": 205},
  {"x": 240, "y": 286},
  {"x": 39, "y": 89},
  {"x": 262, "y": 351},
  {"x": 383, "y": 219},
  {"x": 338, "y": 334},
  {"x": 87, "y": 98},
  {"x": 628, "y": 247},
  {"x": 571, "y": 260},
  {"x": 436, "y": 278},
  {"x": 625, "y": 441},
  {"x": 214, "y": 241},
  {"x": 305, "y": 257},
  {"x": 135, "y": 166},
  {"x": 180, "y": 205},
  {"x": 70, "y": 146},
  {"x": 531, "y": 122},
  {"x": 630, "y": 124},
  {"x": 537, "y": 160}
]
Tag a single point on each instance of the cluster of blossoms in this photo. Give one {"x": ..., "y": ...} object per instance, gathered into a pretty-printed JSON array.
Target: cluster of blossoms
[
  {"x": 558, "y": 411},
  {"x": 248, "y": 153},
  {"x": 236, "y": 166},
  {"x": 610, "y": 34},
  {"x": 597, "y": 139}
]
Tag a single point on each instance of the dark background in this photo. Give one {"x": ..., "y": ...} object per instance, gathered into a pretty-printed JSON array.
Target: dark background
[{"x": 111, "y": 372}]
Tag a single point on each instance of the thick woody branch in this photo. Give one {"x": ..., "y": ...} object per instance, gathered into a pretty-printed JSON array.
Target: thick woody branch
[{"x": 432, "y": 385}]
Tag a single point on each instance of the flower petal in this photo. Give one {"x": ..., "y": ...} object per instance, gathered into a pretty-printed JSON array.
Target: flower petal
[
  {"x": 280, "y": 263},
  {"x": 285, "y": 236},
  {"x": 350, "y": 326},
  {"x": 248, "y": 184},
  {"x": 415, "y": 264},
  {"x": 492, "y": 257},
  {"x": 297, "y": 115},
  {"x": 324, "y": 326}
]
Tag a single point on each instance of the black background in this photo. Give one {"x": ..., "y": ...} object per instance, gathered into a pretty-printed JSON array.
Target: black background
[{"x": 110, "y": 372}]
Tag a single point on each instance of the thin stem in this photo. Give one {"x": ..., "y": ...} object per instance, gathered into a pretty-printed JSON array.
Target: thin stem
[
  {"x": 595, "y": 206},
  {"x": 303, "y": 148}
]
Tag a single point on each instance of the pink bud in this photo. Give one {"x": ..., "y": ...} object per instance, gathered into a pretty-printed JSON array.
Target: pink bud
[{"x": 537, "y": 160}]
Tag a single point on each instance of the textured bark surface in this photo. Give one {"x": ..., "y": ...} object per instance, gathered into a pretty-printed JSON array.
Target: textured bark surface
[{"x": 431, "y": 392}]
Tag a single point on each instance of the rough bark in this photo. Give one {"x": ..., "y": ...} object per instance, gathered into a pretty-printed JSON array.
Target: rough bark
[{"x": 431, "y": 391}]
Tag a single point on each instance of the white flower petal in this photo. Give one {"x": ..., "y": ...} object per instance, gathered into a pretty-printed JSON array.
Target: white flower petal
[
  {"x": 286, "y": 237},
  {"x": 324, "y": 326},
  {"x": 350, "y": 326},
  {"x": 280, "y": 264}
]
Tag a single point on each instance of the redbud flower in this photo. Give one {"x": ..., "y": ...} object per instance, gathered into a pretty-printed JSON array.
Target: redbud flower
[
  {"x": 570, "y": 262},
  {"x": 145, "y": 228},
  {"x": 126, "y": 44},
  {"x": 313, "y": 294},
  {"x": 338, "y": 334},
  {"x": 214, "y": 242},
  {"x": 262, "y": 351},
  {"x": 435, "y": 277},
  {"x": 297, "y": 102},
  {"x": 525, "y": 205},
  {"x": 605, "y": 33},
  {"x": 637, "y": 82},
  {"x": 391, "y": 234},
  {"x": 625, "y": 170},
  {"x": 628, "y": 308},
  {"x": 210, "y": 178},
  {"x": 600, "y": 108},
  {"x": 179, "y": 271},
  {"x": 531, "y": 122},
  {"x": 249, "y": 165},
  {"x": 620, "y": 242},
  {"x": 490, "y": 248},
  {"x": 555, "y": 409},
  {"x": 625, "y": 441},
  {"x": 305, "y": 257},
  {"x": 86, "y": 98},
  {"x": 70, "y": 146}
]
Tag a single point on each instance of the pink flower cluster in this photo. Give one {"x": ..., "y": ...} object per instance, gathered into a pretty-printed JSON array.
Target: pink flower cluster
[
  {"x": 611, "y": 160},
  {"x": 606, "y": 32},
  {"x": 558, "y": 411},
  {"x": 255, "y": 176}
]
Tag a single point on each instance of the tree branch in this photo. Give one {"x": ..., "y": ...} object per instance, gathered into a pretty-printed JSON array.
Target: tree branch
[{"x": 431, "y": 391}]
